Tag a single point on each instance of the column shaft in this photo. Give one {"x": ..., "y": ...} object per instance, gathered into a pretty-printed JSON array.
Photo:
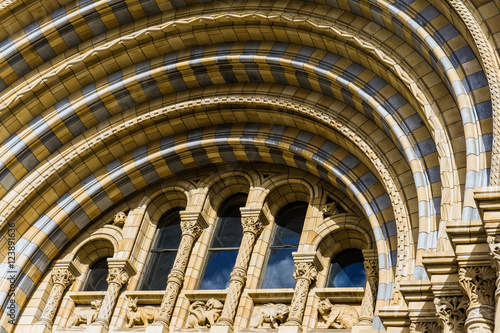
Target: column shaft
[
  {"x": 238, "y": 278},
  {"x": 62, "y": 279},
  {"x": 175, "y": 279},
  {"x": 117, "y": 277}
]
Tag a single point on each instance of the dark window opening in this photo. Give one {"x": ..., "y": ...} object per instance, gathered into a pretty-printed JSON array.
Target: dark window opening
[
  {"x": 347, "y": 270},
  {"x": 96, "y": 278},
  {"x": 163, "y": 251}
]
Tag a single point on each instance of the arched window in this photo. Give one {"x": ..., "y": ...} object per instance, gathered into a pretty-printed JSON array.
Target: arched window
[
  {"x": 96, "y": 278},
  {"x": 280, "y": 265},
  {"x": 225, "y": 244},
  {"x": 162, "y": 254},
  {"x": 347, "y": 270}
]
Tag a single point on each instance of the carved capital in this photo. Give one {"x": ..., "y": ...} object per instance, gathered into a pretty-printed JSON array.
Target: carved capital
[
  {"x": 305, "y": 270},
  {"x": 191, "y": 227},
  {"x": 252, "y": 224},
  {"x": 117, "y": 275},
  {"x": 425, "y": 327},
  {"x": 62, "y": 276},
  {"x": 451, "y": 312},
  {"x": 478, "y": 282}
]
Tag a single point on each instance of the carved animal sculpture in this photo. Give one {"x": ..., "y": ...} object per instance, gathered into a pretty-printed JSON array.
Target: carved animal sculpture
[
  {"x": 337, "y": 316},
  {"x": 85, "y": 316},
  {"x": 204, "y": 314},
  {"x": 140, "y": 315},
  {"x": 274, "y": 314}
]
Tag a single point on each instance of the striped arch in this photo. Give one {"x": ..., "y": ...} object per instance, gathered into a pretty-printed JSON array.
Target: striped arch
[{"x": 391, "y": 103}]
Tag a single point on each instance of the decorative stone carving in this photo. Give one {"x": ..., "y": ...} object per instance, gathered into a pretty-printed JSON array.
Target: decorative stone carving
[
  {"x": 62, "y": 278},
  {"x": 425, "y": 327},
  {"x": 204, "y": 314},
  {"x": 119, "y": 272},
  {"x": 253, "y": 223},
  {"x": 336, "y": 316},
  {"x": 370, "y": 296},
  {"x": 331, "y": 208},
  {"x": 85, "y": 316},
  {"x": 305, "y": 270},
  {"x": 137, "y": 316},
  {"x": 272, "y": 314},
  {"x": 305, "y": 273},
  {"x": 192, "y": 225},
  {"x": 478, "y": 284},
  {"x": 119, "y": 219},
  {"x": 451, "y": 312}
]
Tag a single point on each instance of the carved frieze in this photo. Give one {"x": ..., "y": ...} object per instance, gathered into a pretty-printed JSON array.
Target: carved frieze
[
  {"x": 204, "y": 314},
  {"x": 336, "y": 316},
  {"x": 269, "y": 314},
  {"x": 140, "y": 316}
]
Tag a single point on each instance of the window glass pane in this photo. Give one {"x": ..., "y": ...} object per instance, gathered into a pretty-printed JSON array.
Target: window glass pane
[
  {"x": 169, "y": 233},
  {"x": 96, "y": 279},
  {"x": 279, "y": 269},
  {"x": 225, "y": 244},
  {"x": 219, "y": 267},
  {"x": 289, "y": 223},
  {"x": 347, "y": 270},
  {"x": 158, "y": 267},
  {"x": 288, "y": 228},
  {"x": 162, "y": 255}
]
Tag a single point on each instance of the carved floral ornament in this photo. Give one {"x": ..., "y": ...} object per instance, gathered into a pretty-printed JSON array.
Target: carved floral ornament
[
  {"x": 478, "y": 283},
  {"x": 117, "y": 275},
  {"x": 191, "y": 227},
  {"x": 62, "y": 276},
  {"x": 305, "y": 270},
  {"x": 425, "y": 327},
  {"x": 495, "y": 250},
  {"x": 252, "y": 224},
  {"x": 451, "y": 312}
]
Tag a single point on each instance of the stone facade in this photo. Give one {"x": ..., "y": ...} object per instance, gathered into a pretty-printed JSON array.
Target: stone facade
[{"x": 380, "y": 118}]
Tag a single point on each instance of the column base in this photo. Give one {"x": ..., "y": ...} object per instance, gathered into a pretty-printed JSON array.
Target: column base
[
  {"x": 289, "y": 329},
  {"x": 221, "y": 329}
]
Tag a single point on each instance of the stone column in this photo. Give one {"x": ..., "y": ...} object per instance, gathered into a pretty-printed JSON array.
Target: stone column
[
  {"x": 63, "y": 274},
  {"x": 253, "y": 222},
  {"x": 307, "y": 266},
  {"x": 119, "y": 272},
  {"x": 192, "y": 225},
  {"x": 370, "y": 296},
  {"x": 451, "y": 313},
  {"x": 478, "y": 284},
  {"x": 495, "y": 251}
]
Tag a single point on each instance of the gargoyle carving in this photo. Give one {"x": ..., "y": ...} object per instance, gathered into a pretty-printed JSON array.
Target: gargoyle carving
[
  {"x": 204, "y": 314},
  {"x": 337, "y": 316},
  {"x": 273, "y": 314},
  {"x": 140, "y": 316}
]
